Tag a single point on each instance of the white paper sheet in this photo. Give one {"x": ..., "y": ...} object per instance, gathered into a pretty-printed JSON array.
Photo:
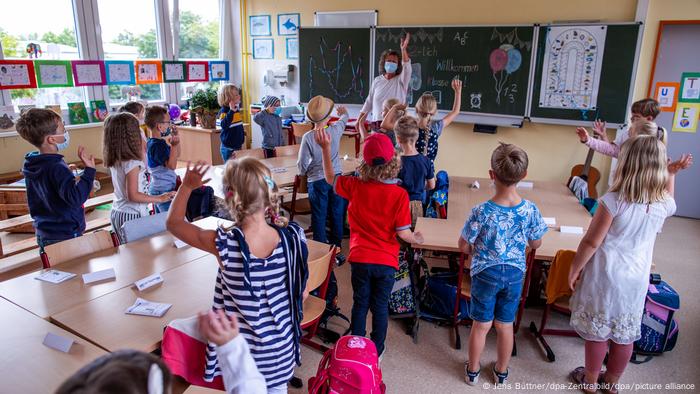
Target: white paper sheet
[
  {"x": 14, "y": 75},
  {"x": 149, "y": 281},
  {"x": 88, "y": 73},
  {"x": 571, "y": 229},
  {"x": 99, "y": 276},
  {"x": 147, "y": 308},
  {"x": 55, "y": 276},
  {"x": 52, "y": 74},
  {"x": 58, "y": 342}
]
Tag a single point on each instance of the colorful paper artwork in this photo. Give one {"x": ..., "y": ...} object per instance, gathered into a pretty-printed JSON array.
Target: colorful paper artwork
[
  {"x": 148, "y": 72},
  {"x": 263, "y": 48},
  {"x": 77, "y": 113},
  {"x": 287, "y": 24},
  {"x": 173, "y": 71},
  {"x": 218, "y": 70},
  {"x": 686, "y": 117},
  {"x": 197, "y": 71},
  {"x": 666, "y": 93},
  {"x": 98, "y": 110},
  {"x": 260, "y": 25},
  {"x": 53, "y": 73},
  {"x": 120, "y": 72},
  {"x": 17, "y": 74},
  {"x": 690, "y": 88},
  {"x": 88, "y": 72}
]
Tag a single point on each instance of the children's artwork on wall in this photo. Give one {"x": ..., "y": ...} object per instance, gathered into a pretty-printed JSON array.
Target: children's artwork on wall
[
  {"x": 77, "y": 113},
  {"x": 17, "y": 74},
  {"x": 53, "y": 73},
  {"x": 218, "y": 70},
  {"x": 666, "y": 93},
  {"x": 148, "y": 72},
  {"x": 98, "y": 110},
  {"x": 263, "y": 48},
  {"x": 173, "y": 71},
  {"x": 7, "y": 117},
  {"x": 686, "y": 117},
  {"x": 89, "y": 72},
  {"x": 690, "y": 88},
  {"x": 573, "y": 60},
  {"x": 287, "y": 24},
  {"x": 120, "y": 72},
  {"x": 260, "y": 25},
  {"x": 197, "y": 71},
  {"x": 292, "y": 48}
]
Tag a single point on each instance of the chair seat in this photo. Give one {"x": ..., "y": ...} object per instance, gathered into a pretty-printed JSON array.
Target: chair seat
[
  {"x": 302, "y": 207},
  {"x": 563, "y": 303},
  {"x": 466, "y": 289},
  {"x": 313, "y": 309}
]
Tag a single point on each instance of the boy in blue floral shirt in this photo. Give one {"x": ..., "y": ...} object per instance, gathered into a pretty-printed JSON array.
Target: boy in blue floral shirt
[{"x": 496, "y": 235}]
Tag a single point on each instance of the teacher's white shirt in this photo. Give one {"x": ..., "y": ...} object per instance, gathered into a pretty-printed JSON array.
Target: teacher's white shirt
[{"x": 383, "y": 89}]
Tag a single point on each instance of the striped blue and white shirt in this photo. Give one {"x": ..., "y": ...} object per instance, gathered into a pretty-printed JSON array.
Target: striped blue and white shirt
[{"x": 259, "y": 297}]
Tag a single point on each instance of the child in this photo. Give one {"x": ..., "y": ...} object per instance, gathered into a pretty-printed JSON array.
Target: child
[
  {"x": 377, "y": 214},
  {"x": 54, "y": 195},
  {"x": 262, "y": 270},
  {"x": 131, "y": 371},
  {"x": 638, "y": 127},
  {"x": 496, "y": 235},
  {"x": 387, "y": 107},
  {"x": 139, "y": 110},
  {"x": 271, "y": 124},
  {"x": 232, "y": 132},
  {"x": 429, "y": 130},
  {"x": 162, "y": 158},
  {"x": 613, "y": 259},
  {"x": 417, "y": 173},
  {"x": 321, "y": 195},
  {"x": 122, "y": 149}
]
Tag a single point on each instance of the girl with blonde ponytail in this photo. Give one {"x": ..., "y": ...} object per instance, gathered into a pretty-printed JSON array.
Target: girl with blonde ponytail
[{"x": 263, "y": 270}]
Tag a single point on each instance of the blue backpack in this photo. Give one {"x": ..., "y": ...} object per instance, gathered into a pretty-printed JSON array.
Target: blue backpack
[{"x": 659, "y": 328}]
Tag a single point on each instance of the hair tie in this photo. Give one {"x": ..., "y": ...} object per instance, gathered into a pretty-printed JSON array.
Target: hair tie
[
  {"x": 229, "y": 193},
  {"x": 270, "y": 182}
]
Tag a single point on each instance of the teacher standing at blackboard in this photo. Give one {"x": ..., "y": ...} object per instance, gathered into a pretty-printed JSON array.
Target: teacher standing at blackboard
[{"x": 393, "y": 83}]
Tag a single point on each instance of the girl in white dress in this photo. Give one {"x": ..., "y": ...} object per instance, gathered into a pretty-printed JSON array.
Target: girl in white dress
[{"x": 614, "y": 259}]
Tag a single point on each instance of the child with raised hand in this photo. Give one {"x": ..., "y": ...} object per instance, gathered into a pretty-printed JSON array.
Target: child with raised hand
[
  {"x": 639, "y": 126},
  {"x": 271, "y": 124},
  {"x": 417, "y": 173},
  {"x": 54, "y": 195},
  {"x": 610, "y": 273},
  {"x": 392, "y": 108},
  {"x": 377, "y": 214},
  {"x": 429, "y": 130},
  {"x": 162, "y": 154},
  {"x": 262, "y": 270},
  {"x": 496, "y": 235},
  {"x": 123, "y": 152},
  {"x": 232, "y": 131}
]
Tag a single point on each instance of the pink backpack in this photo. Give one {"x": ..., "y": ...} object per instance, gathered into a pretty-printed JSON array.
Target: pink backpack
[{"x": 351, "y": 367}]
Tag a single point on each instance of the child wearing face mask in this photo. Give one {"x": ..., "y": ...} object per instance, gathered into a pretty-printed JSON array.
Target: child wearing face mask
[
  {"x": 162, "y": 156},
  {"x": 54, "y": 195},
  {"x": 271, "y": 124},
  {"x": 139, "y": 111}
]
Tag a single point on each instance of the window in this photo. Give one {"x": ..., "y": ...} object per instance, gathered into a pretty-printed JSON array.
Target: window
[
  {"x": 199, "y": 36},
  {"x": 52, "y": 28},
  {"x": 129, "y": 33}
]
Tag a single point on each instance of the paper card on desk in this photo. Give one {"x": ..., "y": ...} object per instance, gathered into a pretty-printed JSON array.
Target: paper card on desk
[
  {"x": 99, "y": 276},
  {"x": 58, "y": 342},
  {"x": 148, "y": 308},
  {"x": 179, "y": 243},
  {"x": 525, "y": 185},
  {"x": 149, "y": 281},
  {"x": 54, "y": 276},
  {"x": 571, "y": 229},
  {"x": 278, "y": 170},
  {"x": 551, "y": 222}
]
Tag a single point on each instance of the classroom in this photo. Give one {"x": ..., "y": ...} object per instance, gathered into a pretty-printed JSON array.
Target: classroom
[{"x": 453, "y": 196}]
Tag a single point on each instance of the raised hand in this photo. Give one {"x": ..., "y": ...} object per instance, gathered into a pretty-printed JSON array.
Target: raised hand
[
  {"x": 87, "y": 158},
  {"x": 457, "y": 85},
  {"x": 174, "y": 140},
  {"x": 341, "y": 110},
  {"x": 194, "y": 175},
  {"x": 599, "y": 127},
  {"x": 217, "y": 327},
  {"x": 684, "y": 162},
  {"x": 405, "y": 41},
  {"x": 582, "y": 134},
  {"x": 323, "y": 139}
]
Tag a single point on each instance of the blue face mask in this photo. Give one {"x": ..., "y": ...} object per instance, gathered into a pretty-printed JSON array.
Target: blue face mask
[
  {"x": 390, "y": 67},
  {"x": 63, "y": 145},
  {"x": 167, "y": 132},
  {"x": 278, "y": 111}
]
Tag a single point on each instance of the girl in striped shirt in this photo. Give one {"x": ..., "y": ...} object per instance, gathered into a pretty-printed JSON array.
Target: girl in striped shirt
[{"x": 262, "y": 271}]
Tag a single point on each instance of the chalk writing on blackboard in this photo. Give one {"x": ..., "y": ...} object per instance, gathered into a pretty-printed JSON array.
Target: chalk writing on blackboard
[
  {"x": 505, "y": 60},
  {"x": 333, "y": 62}
]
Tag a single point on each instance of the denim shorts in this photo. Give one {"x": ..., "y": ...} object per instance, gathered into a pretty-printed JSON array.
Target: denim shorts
[{"x": 496, "y": 294}]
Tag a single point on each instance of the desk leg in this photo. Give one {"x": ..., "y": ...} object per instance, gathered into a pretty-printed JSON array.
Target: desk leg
[
  {"x": 290, "y": 137},
  {"x": 357, "y": 145}
]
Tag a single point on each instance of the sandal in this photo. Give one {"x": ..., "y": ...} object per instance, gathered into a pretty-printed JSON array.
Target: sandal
[
  {"x": 577, "y": 376},
  {"x": 605, "y": 386}
]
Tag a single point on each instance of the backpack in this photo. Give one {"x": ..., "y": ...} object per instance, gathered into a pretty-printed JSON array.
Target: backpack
[
  {"x": 659, "y": 328},
  {"x": 351, "y": 367},
  {"x": 402, "y": 297},
  {"x": 439, "y": 296},
  {"x": 201, "y": 203}
]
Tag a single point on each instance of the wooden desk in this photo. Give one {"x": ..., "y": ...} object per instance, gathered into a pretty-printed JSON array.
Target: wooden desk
[
  {"x": 190, "y": 288},
  {"x": 204, "y": 144},
  {"x": 26, "y": 365}
]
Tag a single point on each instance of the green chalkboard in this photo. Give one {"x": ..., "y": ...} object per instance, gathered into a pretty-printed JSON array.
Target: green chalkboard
[
  {"x": 334, "y": 62},
  {"x": 493, "y": 62},
  {"x": 615, "y": 72}
]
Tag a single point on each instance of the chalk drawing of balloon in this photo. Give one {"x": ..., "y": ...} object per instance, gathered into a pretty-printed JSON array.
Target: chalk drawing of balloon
[
  {"x": 498, "y": 60},
  {"x": 515, "y": 59}
]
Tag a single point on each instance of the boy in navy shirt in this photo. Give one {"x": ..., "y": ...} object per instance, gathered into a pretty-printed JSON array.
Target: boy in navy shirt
[
  {"x": 54, "y": 194},
  {"x": 232, "y": 131},
  {"x": 417, "y": 173},
  {"x": 162, "y": 158}
]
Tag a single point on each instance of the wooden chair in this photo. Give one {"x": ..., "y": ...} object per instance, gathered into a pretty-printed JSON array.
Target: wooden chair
[
  {"x": 465, "y": 287},
  {"x": 298, "y": 206},
  {"x": 287, "y": 150},
  {"x": 256, "y": 153},
  {"x": 299, "y": 129},
  {"x": 77, "y": 247},
  {"x": 319, "y": 275},
  {"x": 558, "y": 295},
  {"x": 13, "y": 203}
]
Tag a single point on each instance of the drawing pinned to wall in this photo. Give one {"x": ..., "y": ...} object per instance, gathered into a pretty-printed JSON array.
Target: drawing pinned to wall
[
  {"x": 573, "y": 60},
  {"x": 686, "y": 117},
  {"x": 7, "y": 117},
  {"x": 263, "y": 48},
  {"x": 690, "y": 88},
  {"x": 292, "y": 48},
  {"x": 89, "y": 72},
  {"x": 505, "y": 60},
  {"x": 173, "y": 71},
  {"x": 148, "y": 72},
  {"x": 288, "y": 24},
  {"x": 120, "y": 72},
  {"x": 17, "y": 74},
  {"x": 218, "y": 70},
  {"x": 260, "y": 25},
  {"x": 197, "y": 71},
  {"x": 666, "y": 94},
  {"x": 77, "y": 113},
  {"x": 53, "y": 73}
]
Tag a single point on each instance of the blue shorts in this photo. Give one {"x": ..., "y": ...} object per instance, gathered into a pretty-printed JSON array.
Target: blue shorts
[{"x": 496, "y": 294}]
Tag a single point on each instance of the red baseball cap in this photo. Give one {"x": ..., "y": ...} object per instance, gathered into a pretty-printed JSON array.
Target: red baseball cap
[{"x": 378, "y": 150}]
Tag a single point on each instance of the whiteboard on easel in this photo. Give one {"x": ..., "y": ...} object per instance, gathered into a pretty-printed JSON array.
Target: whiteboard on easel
[{"x": 345, "y": 18}]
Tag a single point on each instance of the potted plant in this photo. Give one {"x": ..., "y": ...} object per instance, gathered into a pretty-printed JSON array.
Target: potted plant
[{"x": 206, "y": 106}]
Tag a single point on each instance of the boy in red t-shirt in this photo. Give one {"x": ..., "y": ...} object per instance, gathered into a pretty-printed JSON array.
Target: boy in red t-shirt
[{"x": 378, "y": 212}]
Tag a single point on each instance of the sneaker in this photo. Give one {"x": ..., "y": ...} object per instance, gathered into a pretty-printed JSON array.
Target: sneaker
[
  {"x": 472, "y": 378},
  {"x": 381, "y": 355},
  {"x": 500, "y": 378}
]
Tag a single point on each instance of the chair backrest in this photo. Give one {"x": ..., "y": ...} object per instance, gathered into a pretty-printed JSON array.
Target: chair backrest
[
  {"x": 287, "y": 150},
  {"x": 319, "y": 270},
  {"x": 133, "y": 230},
  {"x": 77, "y": 247},
  {"x": 299, "y": 129},
  {"x": 558, "y": 278},
  {"x": 256, "y": 153},
  {"x": 301, "y": 184}
]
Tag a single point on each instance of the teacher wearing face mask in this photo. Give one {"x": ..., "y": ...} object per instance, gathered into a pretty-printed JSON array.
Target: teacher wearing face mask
[{"x": 393, "y": 83}]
